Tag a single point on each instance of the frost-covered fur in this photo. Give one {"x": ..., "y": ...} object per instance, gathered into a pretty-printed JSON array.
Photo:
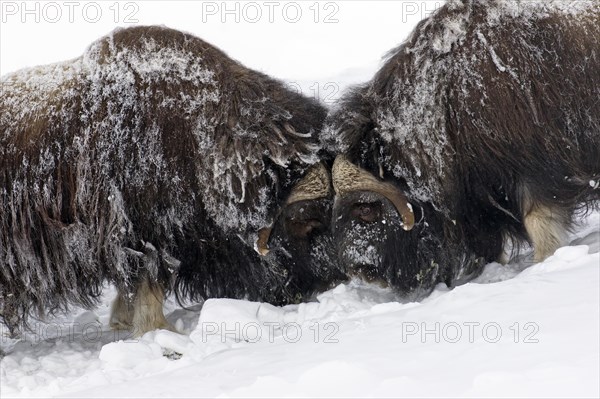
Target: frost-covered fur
[
  {"x": 152, "y": 153},
  {"x": 488, "y": 117}
]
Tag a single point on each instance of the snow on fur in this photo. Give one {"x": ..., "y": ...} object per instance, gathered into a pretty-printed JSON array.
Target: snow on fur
[
  {"x": 486, "y": 118},
  {"x": 152, "y": 151}
]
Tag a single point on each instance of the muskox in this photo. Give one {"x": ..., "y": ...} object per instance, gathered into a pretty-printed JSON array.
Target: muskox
[
  {"x": 480, "y": 133},
  {"x": 155, "y": 162}
]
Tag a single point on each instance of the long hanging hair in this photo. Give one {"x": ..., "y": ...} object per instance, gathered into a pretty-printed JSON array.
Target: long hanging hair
[
  {"x": 487, "y": 107},
  {"x": 152, "y": 154}
]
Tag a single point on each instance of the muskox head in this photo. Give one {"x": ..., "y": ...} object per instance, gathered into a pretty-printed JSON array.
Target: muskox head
[
  {"x": 384, "y": 234},
  {"x": 373, "y": 226},
  {"x": 300, "y": 236},
  {"x": 305, "y": 213}
]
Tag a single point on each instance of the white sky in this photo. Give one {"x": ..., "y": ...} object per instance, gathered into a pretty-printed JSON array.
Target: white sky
[{"x": 345, "y": 38}]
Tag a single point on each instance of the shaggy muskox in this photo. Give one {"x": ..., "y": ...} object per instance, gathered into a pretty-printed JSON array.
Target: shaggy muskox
[
  {"x": 481, "y": 130},
  {"x": 156, "y": 162}
]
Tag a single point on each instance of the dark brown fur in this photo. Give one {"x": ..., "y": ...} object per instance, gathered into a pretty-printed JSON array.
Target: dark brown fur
[
  {"x": 153, "y": 153},
  {"x": 489, "y": 111}
]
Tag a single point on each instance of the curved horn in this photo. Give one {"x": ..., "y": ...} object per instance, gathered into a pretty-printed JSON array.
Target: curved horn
[
  {"x": 316, "y": 184},
  {"x": 263, "y": 240},
  {"x": 348, "y": 177}
]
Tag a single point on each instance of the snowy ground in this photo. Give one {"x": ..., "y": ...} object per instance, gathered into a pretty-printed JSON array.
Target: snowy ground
[{"x": 515, "y": 331}]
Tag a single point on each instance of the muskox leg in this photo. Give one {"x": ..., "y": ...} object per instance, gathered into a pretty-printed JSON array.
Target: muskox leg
[
  {"x": 121, "y": 315},
  {"x": 547, "y": 229},
  {"x": 148, "y": 308},
  {"x": 143, "y": 312}
]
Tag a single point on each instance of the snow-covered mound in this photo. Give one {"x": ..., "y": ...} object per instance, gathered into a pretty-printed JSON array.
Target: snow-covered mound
[{"x": 515, "y": 331}]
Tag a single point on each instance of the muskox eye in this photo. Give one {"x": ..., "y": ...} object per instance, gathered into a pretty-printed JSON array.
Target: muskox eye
[{"x": 367, "y": 212}]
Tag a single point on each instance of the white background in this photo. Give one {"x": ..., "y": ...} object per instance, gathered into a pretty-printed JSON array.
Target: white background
[{"x": 307, "y": 42}]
